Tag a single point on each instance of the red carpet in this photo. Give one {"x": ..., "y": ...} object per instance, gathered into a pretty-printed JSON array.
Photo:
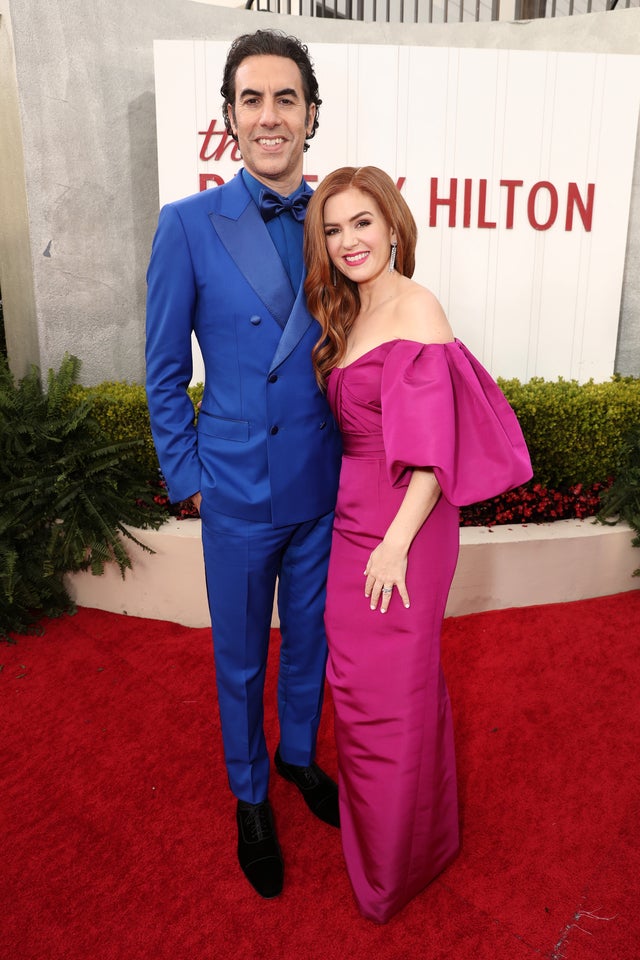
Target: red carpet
[{"x": 118, "y": 828}]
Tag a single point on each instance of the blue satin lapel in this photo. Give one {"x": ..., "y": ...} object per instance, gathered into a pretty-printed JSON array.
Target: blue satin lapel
[
  {"x": 299, "y": 322},
  {"x": 247, "y": 240},
  {"x": 243, "y": 233}
]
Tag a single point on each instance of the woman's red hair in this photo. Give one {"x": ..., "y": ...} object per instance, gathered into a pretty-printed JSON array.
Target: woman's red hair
[{"x": 336, "y": 306}]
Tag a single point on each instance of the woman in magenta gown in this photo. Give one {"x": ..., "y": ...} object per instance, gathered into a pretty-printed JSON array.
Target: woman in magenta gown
[{"x": 425, "y": 429}]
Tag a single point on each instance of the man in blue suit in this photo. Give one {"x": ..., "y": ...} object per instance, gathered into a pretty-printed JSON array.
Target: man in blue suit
[{"x": 262, "y": 463}]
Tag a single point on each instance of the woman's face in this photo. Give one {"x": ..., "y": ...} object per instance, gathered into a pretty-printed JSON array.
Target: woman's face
[{"x": 358, "y": 237}]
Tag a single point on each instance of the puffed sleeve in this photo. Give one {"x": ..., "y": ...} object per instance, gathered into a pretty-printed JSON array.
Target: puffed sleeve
[{"x": 441, "y": 409}]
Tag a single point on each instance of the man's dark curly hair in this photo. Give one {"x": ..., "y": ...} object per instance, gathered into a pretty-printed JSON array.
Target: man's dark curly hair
[{"x": 272, "y": 43}]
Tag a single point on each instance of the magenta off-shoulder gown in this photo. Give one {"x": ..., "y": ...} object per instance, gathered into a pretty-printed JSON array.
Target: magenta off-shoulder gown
[{"x": 404, "y": 404}]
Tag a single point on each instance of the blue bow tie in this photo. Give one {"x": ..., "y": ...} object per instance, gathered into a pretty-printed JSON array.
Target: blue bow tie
[{"x": 272, "y": 205}]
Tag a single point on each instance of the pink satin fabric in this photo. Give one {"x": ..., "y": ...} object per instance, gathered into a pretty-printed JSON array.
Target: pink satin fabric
[{"x": 401, "y": 405}]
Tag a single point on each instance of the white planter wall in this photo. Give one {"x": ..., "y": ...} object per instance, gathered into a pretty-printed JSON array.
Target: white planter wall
[{"x": 499, "y": 567}]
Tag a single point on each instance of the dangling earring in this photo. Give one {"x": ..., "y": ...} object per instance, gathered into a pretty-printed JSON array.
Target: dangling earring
[
  {"x": 334, "y": 275},
  {"x": 392, "y": 261}
]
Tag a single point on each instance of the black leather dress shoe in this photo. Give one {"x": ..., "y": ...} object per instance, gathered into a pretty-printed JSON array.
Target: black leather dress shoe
[
  {"x": 259, "y": 852},
  {"x": 319, "y": 791}
]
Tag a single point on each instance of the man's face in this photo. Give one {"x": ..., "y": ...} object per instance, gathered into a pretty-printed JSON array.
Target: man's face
[{"x": 271, "y": 120}]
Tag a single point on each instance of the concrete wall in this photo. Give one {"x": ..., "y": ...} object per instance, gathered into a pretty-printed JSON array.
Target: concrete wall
[{"x": 78, "y": 180}]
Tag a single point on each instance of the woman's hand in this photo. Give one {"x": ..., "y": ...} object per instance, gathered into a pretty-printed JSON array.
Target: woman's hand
[
  {"x": 387, "y": 566},
  {"x": 386, "y": 570}
]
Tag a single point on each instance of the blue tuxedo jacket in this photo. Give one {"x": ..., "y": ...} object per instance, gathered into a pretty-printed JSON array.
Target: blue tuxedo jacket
[{"x": 266, "y": 446}]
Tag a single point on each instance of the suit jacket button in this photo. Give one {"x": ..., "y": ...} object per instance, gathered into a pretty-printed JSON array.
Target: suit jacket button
[
  {"x": 273, "y": 377},
  {"x": 323, "y": 424},
  {"x": 255, "y": 319},
  {"x": 274, "y": 430}
]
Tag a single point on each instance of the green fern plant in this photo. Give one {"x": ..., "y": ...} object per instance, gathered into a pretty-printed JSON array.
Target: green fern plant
[
  {"x": 67, "y": 495},
  {"x": 622, "y": 500}
]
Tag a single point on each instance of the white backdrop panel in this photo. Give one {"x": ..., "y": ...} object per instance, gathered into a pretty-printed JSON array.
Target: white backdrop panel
[{"x": 529, "y": 302}]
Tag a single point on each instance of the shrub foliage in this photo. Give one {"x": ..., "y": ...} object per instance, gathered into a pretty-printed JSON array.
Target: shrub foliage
[
  {"x": 67, "y": 491},
  {"x": 622, "y": 500},
  {"x": 121, "y": 411},
  {"x": 574, "y": 431}
]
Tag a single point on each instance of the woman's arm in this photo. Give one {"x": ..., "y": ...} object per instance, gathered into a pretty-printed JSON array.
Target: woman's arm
[{"x": 387, "y": 565}]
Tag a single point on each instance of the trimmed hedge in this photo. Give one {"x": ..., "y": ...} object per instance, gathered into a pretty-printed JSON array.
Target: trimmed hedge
[
  {"x": 574, "y": 431},
  {"x": 121, "y": 411}
]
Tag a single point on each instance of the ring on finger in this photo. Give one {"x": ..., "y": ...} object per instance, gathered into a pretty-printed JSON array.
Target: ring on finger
[{"x": 387, "y": 589}]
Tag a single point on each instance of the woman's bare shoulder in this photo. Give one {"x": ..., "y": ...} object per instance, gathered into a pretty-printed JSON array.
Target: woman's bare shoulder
[{"x": 420, "y": 316}]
